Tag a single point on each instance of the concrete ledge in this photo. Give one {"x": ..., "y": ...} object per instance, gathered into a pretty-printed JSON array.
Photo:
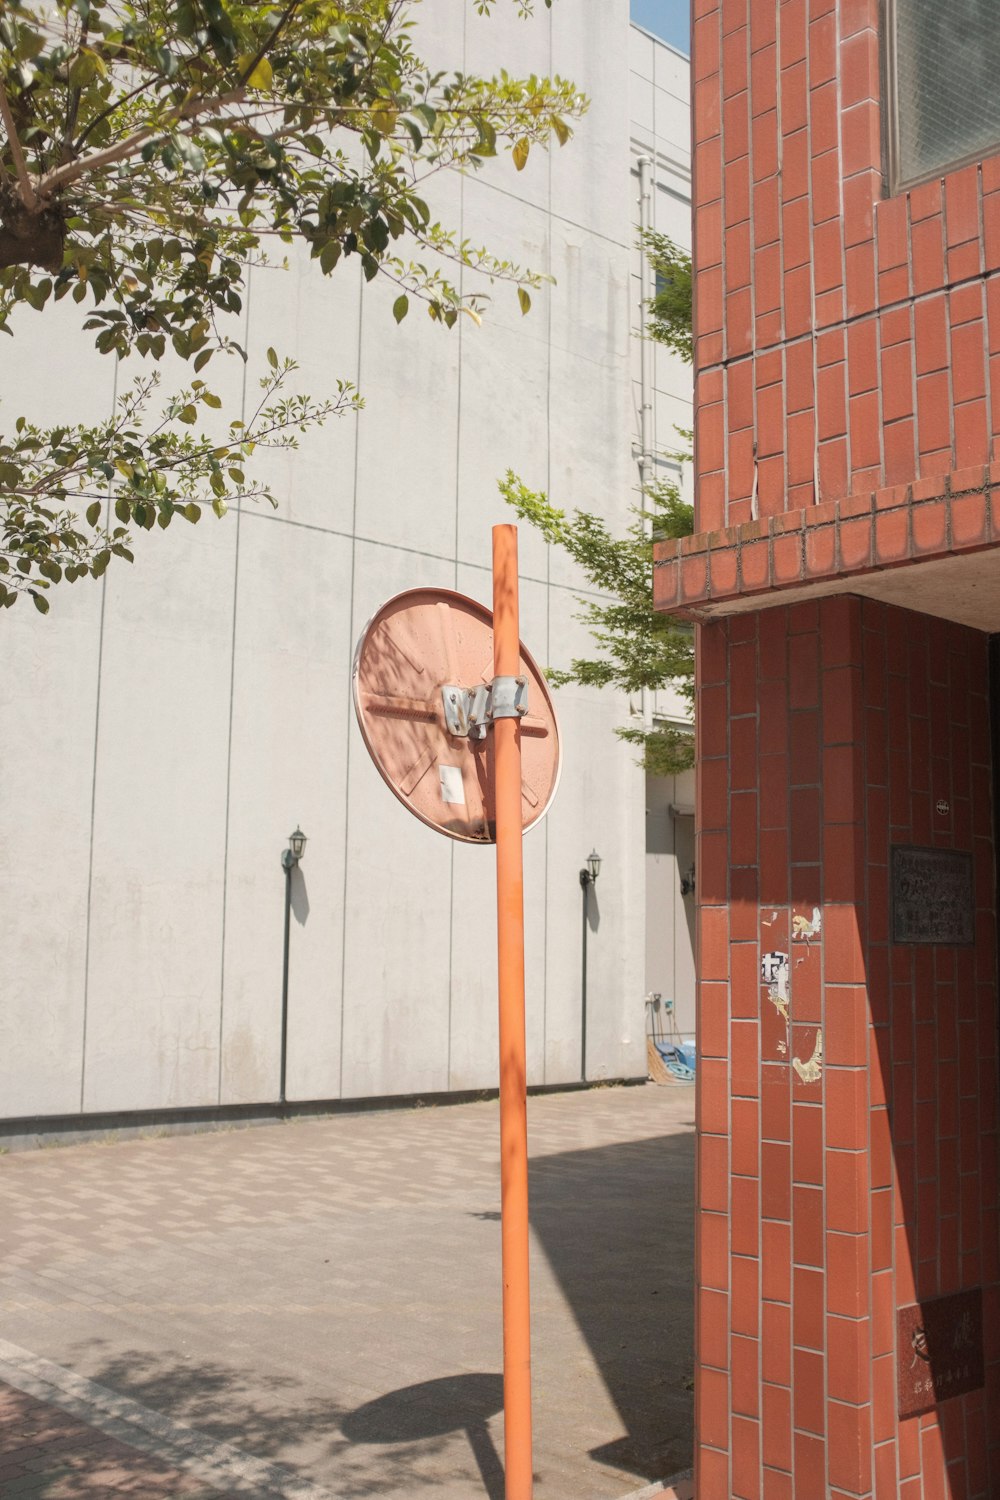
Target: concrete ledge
[
  {"x": 827, "y": 547},
  {"x": 32, "y": 1132}
]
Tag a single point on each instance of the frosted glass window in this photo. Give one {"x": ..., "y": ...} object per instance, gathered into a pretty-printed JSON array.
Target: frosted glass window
[{"x": 944, "y": 82}]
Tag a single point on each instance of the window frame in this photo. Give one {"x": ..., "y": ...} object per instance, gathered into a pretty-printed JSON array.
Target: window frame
[{"x": 893, "y": 181}]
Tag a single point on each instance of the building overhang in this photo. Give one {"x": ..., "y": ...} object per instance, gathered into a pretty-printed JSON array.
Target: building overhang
[{"x": 931, "y": 546}]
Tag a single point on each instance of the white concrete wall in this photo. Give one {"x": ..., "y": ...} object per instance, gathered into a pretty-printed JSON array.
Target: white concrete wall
[
  {"x": 162, "y": 731},
  {"x": 670, "y": 921},
  {"x": 660, "y": 128},
  {"x": 659, "y": 107}
]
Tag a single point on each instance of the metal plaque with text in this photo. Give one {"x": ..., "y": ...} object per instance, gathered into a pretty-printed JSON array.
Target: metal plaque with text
[
  {"x": 940, "y": 1350},
  {"x": 932, "y": 896}
]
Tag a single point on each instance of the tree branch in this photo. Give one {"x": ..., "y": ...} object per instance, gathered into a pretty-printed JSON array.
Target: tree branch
[
  {"x": 73, "y": 102},
  {"x": 118, "y": 103},
  {"x": 53, "y": 181},
  {"x": 262, "y": 52},
  {"x": 27, "y": 191}
]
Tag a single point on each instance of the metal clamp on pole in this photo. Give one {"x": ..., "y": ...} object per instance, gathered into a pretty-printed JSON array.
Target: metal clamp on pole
[
  {"x": 509, "y": 698},
  {"x": 469, "y": 712}
]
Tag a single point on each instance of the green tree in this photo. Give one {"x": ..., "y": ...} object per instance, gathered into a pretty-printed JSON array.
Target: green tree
[
  {"x": 150, "y": 152},
  {"x": 638, "y": 648},
  {"x": 669, "y": 320}
]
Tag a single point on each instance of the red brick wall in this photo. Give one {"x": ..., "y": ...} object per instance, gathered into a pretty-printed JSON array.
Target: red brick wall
[
  {"x": 853, "y": 339},
  {"x": 827, "y": 732}
]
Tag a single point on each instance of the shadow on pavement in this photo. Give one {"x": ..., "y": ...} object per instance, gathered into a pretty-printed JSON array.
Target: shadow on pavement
[
  {"x": 617, "y": 1227},
  {"x": 222, "y": 1403},
  {"x": 432, "y": 1409}
]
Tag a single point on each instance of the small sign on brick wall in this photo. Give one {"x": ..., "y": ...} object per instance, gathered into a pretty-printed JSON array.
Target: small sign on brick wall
[
  {"x": 939, "y": 1349},
  {"x": 932, "y": 896}
]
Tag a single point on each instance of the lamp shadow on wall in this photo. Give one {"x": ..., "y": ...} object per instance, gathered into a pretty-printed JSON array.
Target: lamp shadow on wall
[{"x": 300, "y": 896}]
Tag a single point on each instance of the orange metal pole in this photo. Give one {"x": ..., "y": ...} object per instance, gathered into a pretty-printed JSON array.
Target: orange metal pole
[{"x": 510, "y": 976}]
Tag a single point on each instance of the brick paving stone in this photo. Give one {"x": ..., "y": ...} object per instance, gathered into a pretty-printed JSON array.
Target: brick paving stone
[
  {"x": 324, "y": 1295},
  {"x": 47, "y": 1455}
]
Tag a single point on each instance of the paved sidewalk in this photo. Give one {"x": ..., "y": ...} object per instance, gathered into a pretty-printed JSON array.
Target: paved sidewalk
[
  {"x": 313, "y": 1310},
  {"x": 45, "y": 1452}
]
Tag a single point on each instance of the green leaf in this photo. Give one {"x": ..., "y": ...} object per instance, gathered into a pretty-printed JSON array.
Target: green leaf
[
  {"x": 520, "y": 153},
  {"x": 94, "y": 513},
  {"x": 219, "y": 506},
  {"x": 329, "y": 256},
  {"x": 272, "y": 359},
  {"x": 401, "y": 307},
  {"x": 524, "y": 299},
  {"x": 37, "y": 296},
  {"x": 487, "y": 144},
  {"x": 414, "y": 130},
  {"x": 262, "y": 76},
  {"x": 40, "y": 602}
]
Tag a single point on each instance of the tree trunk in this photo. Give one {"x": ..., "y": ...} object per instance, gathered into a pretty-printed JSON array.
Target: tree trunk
[{"x": 30, "y": 238}]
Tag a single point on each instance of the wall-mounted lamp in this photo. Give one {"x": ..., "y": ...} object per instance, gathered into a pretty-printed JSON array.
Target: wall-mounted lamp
[
  {"x": 687, "y": 883},
  {"x": 289, "y": 859},
  {"x": 296, "y": 848},
  {"x": 588, "y": 875}
]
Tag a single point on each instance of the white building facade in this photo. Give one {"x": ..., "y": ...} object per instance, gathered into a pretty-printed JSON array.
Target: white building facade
[
  {"x": 660, "y": 142},
  {"x": 163, "y": 730}
]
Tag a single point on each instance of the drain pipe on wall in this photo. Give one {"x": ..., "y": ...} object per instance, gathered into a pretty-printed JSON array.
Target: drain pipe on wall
[
  {"x": 645, "y": 455},
  {"x": 645, "y": 347}
]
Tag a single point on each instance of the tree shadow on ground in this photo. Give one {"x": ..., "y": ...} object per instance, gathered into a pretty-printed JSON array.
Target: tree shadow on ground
[
  {"x": 616, "y": 1226},
  {"x": 223, "y": 1404}
]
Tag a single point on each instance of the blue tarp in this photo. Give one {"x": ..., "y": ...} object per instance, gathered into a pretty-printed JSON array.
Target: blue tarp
[{"x": 679, "y": 1059}]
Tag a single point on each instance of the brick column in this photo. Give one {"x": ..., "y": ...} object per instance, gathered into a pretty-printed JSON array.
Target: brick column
[{"x": 847, "y": 1161}]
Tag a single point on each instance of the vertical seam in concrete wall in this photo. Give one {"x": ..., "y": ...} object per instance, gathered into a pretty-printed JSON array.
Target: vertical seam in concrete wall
[
  {"x": 90, "y": 861},
  {"x": 93, "y": 807},
  {"x": 458, "y": 474},
  {"x": 232, "y": 695},
  {"x": 548, "y": 590},
  {"x": 347, "y": 734}
]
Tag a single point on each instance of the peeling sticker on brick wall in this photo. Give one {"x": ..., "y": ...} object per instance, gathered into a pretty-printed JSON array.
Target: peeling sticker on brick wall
[
  {"x": 811, "y": 1071},
  {"x": 774, "y": 973},
  {"x": 804, "y": 928}
]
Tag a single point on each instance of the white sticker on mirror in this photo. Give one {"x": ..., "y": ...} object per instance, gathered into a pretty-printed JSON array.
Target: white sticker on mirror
[{"x": 452, "y": 789}]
